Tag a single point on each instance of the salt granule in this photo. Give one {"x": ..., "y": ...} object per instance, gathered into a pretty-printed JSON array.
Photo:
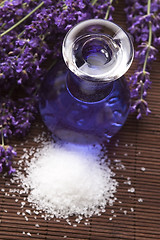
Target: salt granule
[
  {"x": 68, "y": 179},
  {"x": 28, "y": 211},
  {"x": 132, "y": 190},
  {"x": 143, "y": 169}
]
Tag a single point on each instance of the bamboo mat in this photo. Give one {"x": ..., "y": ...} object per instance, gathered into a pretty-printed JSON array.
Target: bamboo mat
[{"x": 135, "y": 215}]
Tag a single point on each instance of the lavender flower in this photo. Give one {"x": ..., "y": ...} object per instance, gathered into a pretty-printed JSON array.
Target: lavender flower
[
  {"x": 16, "y": 116},
  {"x": 103, "y": 9},
  {"x": 7, "y": 154},
  {"x": 144, "y": 24},
  {"x": 15, "y": 120}
]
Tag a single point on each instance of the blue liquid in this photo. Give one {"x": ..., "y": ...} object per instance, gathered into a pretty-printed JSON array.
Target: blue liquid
[{"x": 74, "y": 109}]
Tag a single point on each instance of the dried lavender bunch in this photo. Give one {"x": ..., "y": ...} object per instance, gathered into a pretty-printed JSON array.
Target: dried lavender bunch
[
  {"x": 31, "y": 32},
  {"x": 17, "y": 64},
  {"x": 143, "y": 19}
]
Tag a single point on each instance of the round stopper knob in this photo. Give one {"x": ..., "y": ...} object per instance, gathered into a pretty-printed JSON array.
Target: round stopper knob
[{"x": 97, "y": 50}]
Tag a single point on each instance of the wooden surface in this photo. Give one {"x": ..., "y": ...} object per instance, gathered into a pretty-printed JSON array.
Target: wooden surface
[{"x": 137, "y": 214}]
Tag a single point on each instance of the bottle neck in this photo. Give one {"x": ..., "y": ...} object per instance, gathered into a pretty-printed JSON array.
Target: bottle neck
[{"x": 87, "y": 91}]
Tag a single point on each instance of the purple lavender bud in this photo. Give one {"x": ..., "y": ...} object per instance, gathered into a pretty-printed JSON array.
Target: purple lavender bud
[{"x": 11, "y": 170}]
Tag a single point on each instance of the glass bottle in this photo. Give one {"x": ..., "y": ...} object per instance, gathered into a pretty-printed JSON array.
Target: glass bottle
[{"x": 85, "y": 97}]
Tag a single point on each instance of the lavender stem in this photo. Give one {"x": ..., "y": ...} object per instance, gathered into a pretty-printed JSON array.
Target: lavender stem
[
  {"x": 2, "y": 137},
  {"x": 93, "y": 2},
  {"x": 107, "y": 13}
]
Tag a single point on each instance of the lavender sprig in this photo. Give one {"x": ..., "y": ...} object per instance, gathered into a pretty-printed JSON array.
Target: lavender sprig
[
  {"x": 144, "y": 25},
  {"x": 22, "y": 20},
  {"x": 7, "y": 154},
  {"x": 103, "y": 9}
]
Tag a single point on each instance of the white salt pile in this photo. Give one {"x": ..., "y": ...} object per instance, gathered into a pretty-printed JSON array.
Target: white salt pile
[{"x": 65, "y": 180}]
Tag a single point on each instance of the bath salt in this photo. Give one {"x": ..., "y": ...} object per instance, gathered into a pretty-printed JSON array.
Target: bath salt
[{"x": 62, "y": 180}]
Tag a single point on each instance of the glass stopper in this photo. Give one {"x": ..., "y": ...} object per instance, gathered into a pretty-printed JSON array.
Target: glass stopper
[{"x": 97, "y": 50}]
